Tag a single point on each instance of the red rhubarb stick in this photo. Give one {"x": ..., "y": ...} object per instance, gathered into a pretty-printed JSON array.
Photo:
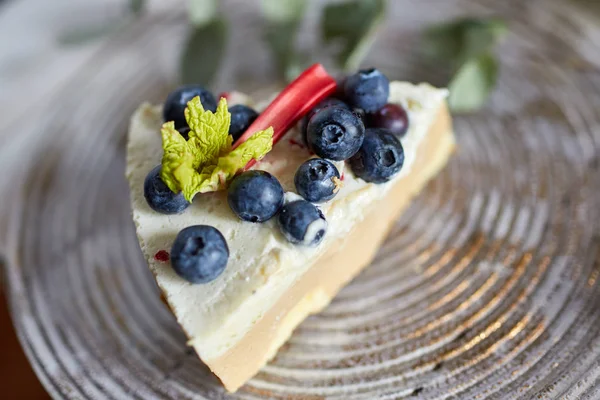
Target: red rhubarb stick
[{"x": 295, "y": 101}]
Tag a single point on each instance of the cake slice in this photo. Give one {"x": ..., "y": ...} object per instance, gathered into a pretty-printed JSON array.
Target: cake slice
[{"x": 237, "y": 322}]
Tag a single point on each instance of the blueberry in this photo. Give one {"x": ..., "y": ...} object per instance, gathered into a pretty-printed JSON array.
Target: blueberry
[
  {"x": 315, "y": 181},
  {"x": 392, "y": 117},
  {"x": 303, "y": 223},
  {"x": 159, "y": 197},
  {"x": 380, "y": 157},
  {"x": 328, "y": 102},
  {"x": 177, "y": 100},
  {"x": 184, "y": 131},
  {"x": 255, "y": 196},
  {"x": 335, "y": 133},
  {"x": 199, "y": 254},
  {"x": 241, "y": 118},
  {"x": 368, "y": 89},
  {"x": 361, "y": 114}
]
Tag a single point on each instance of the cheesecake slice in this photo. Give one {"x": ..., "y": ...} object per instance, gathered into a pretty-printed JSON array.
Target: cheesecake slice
[{"x": 237, "y": 322}]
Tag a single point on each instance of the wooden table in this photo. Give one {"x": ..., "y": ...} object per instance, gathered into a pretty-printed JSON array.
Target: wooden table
[{"x": 18, "y": 379}]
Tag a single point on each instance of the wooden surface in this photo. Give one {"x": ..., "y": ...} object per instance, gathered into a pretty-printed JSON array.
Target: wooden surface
[{"x": 16, "y": 376}]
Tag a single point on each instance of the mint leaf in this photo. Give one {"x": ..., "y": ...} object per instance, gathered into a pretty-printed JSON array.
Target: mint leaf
[
  {"x": 203, "y": 52},
  {"x": 284, "y": 18},
  {"x": 352, "y": 25},
  {"x": 178, "y": 160},
  {"x": 472, "y": 84},
  {"x": 205, "y": 162},
  {"x": 255, "y": 147},
  {"x": 209, "y": 132}
]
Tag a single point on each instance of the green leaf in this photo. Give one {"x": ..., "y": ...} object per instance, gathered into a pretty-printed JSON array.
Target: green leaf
[
  {"x": 201, "y": 12},
  {"x": 443, "y": 42},
  {"x": 209, "y": 132},
  {"x": 460, "y": 40},
  {"x": 466, "y": 46},
  {"x": 284, "y": 18},
  {"x": 205, "y": 162},
  {"x": 281, "y": 38},
  {"x": 481, "y": 37},
  {"x": 353, "y": 25},
  {"x": 283, "y": 10},
  {"x": 255, "y": 147},
  {"x": 137, "y": 6},
  {"x": 178, "y": 160},
  {"x": 472, "y": 84},
  {"x": 203, "y": 52}
]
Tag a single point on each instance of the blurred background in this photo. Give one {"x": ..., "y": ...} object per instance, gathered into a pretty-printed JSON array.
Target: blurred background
[{"x": 72, "y": 71}]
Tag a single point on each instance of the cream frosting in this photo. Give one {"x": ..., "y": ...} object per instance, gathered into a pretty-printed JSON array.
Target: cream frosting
[{"x": 262, "y": 263}]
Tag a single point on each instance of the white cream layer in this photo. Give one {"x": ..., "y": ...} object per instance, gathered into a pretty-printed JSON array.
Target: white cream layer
[{"x": 262, "y": 263}]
